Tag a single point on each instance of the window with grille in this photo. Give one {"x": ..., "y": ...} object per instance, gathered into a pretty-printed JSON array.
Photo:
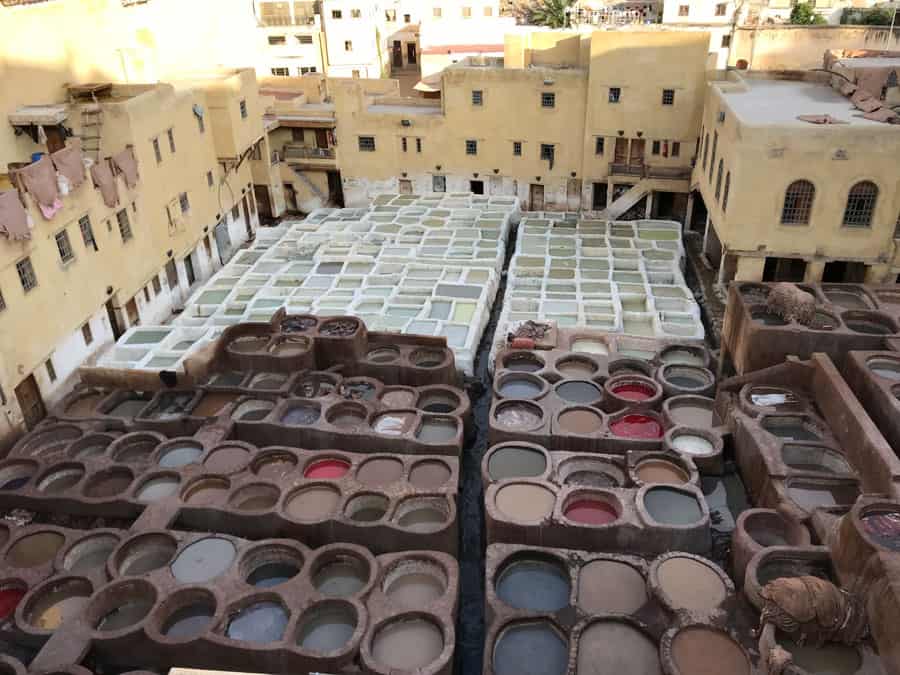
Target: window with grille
[
  {"x": 598, "y": 145},
  {"x": 726, "y": 41},
  {"x": 438, "y": 183},
  {"x": 305, "y": 39},
  {"x": 87, "y": 333},
  {"x": 726, "y": 191},
  {"x": 403, "y": 144},
  {"x": 548, "y": 99},
  {"x": 307, "y": 69},
  {"x": 355, "y": 14},
  {"x": 719, "y": 180},
  {"x": 124, "y": 225},
  {"x": 156, "y": 151},
  {"x": 367, "y": 144},
  {"x": 861, "y": 204},
  {"x": 281, "y": 72},
  {"x": 477, "y": 97},
  {"x": 64, "y": 246},
  {"x": 277, "y": 40},
  {"x": 183, "y": 202},
  {"x": 615, "y": 94},
  {"x": 668, "y": 97},
  {"x": 547, "y": 151},
  {"x": 471, "y": 147},
  {"x": 419, "y": 145},
  {"x": 348, "y": 45},
  {"x": 654, "y": 148},
  {"x": 407, "y": 18},
  {"x": 51, "y": 370},
  {"x": 676, "y": 148},
  {"x": 146, "y": 294},
  {"x": 87, "y": 232},
  {"x": 26, "y": 274},
  {"x": 171, "y": 134},
  {"x": 517, "y": 148},
  {"x": 336, "y": 14},
  {"x": 684, "y": 10},
  {"x": 243, "y": 106},
  {"x": 798, "y": 201}
]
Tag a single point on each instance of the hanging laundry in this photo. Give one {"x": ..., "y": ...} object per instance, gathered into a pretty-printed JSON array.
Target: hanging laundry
[
  {"x": 70, "y": 163},
  {"x": 126, "y": 164},
  {"x": 104, "y": 180},
  {"x": 39, "y": 179},
  {"x": 13, "y": 216}
]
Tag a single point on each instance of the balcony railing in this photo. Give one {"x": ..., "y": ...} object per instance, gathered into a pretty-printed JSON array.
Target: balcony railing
[
  {"x": 650, "y": 171},
  {"x": 295, "y": 152}
]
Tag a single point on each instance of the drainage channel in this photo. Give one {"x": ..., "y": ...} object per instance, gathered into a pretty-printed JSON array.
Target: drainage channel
[{"x": 470, "y": 631}]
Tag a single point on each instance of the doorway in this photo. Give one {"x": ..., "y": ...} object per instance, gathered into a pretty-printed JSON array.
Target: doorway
[
  {"x": 476, "y": 187},
  {"x": 397, "y": 51},
  {"x": 411, "y": 55},
  {"x": 189, "y": 271},
  {"x": 246, "y": 202},
  {"x": 621, "y": 153},
  {"x": 844, "y": 272},
  {"x": 536, "y": 197},
  {"x": 322, "y": 139},
  {"x": 335, "y": 188},
  {"x": 573, "y": 194},
  {"x": 262, "y": 201},
  {"x": 598, "y": 196},
  {"x": 405, "y": 186},
  {"x": 31, "y": 402},
  {"x": 223, "y": 241},
  {"x": 131, "y": 312},
  {"x": 114, "y": 323},
  {"x": 784, "y": 269},
  {"x": 636, "y": 156},
  {"x": 290, "y": 197}
]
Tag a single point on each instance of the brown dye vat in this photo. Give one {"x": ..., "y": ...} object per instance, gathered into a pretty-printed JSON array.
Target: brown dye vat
[
  {"x": 59, "y": 605},
  {"x": 607, "y": 647},
  {"x": 61, "y": 479},
  {"x": 313, "y": 503},
  {"x": 407, "y": 644},
  {"x": 415, "y": 583},
  {"x": 705, "y": 651},
  {"x": 690, "y": 584},
  {"x": 692, "y": 415},
  {"x": 575, "y": 368},
  {"x": 580, "y": 421},
  {"x": 380, "y": 472},
  {"x": 276, "y": 466},
  {"x": 85, "y": 406},
  {"x": 207, "y": 491},
  {"x": 610, "y": 586},
  {"x": 399, "y": 398},
  {"x": 525, "y": 502},
  {"x": 108, "y": 483},
  {"x": 212, "y": 404},
  {"x": 429, "y": 474},
  {"x": 35, "y": 549},
  {"x": 661, "y": 471},
  {"x": 230, "y": 459}
]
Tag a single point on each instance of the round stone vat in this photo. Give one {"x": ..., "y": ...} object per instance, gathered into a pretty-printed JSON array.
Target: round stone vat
[
  {"x": 301, "y": 414},
  {"x": 591, "y": 508},
  {"x": 628, "y": 390},
  {"x": 330, "y": 468},
  {"x": 144, "y": 553},
  {"x": 206, "y": 491},
  {"x": 574, "y": 366},
  {"x": 581, "y": 392},
  {"x": 699, "y": 444},
  {"x": 438, "y": 400},
  {"x": 394, "y": 422},
  {"x": 227, "y": 459},
  {"x": 157, "y": 486},
  {"x": 383, "y": 354},
  {"x": 661, "y": 470},
  {"x": 327, "y": 627},
  {"x": 580, "y": 420},
  {"x": 688, "y": 410},
  {"x": 520, "y": 385},
  {"x": 678, "y": 379},
  {"x": 273, "y": 464},
  {"x": 340, "y": 572},
  {"x": 429, "y": 474},
  {"x": 399, "y": 397},
  {"x": 255, "y": 497},
  {"x": 610, "y": 585},
  {"x": 346, "y": 415},
  {"x": 380, "y": 471},
  {"x": 343, "y": 327},
  {"x": 423, "y": 514},
  {"x": 684, "y": 355},
  {"x": 515, "y": 460},
  {"x": 700, "y": 649},
  {"x": 681, "y": 581},
  {"x": 312, "y": 503},
  {"x": 525, "y": 502},
  {"x": 671, "y": 505},
  {"x": 430, "y": 358},
  {"x": 533, "y": 582},
  {"x": 414, "y": 582},
  {"x": 56, "y": 601},
  {"x": 645, "y": 425},
  {"x": 89, "y": 553},
  {"x": 522, "y": 362},
  {"x": 587, "y": 471},
  {"x": 252, "y": 410},
  {"x": 268, "y": 565},
  {"x": 35, "y": 549},
  {"x": 60, "y": 478},
  {"x": 407, "y": 643},
  {"x": 366, "y": 508},
  {"x": 121, "y": 607},
  {"x": 881, "y": 525},
  {"x": 616, "y": 645},
  {"x": 89, "y": 447},
  {"x": 203, "y": 559},
  {"x": 530, "y": 648},
  {"x": 108, "y": 483},
  {"x": 869, "y": 323},
  {"x": 260, "y": 620},
  {"x": 757, "y": 529},
  {"x": 518, "y": 415},
  {"x": 178, "y": 452},
  {"x": 15, "y": 474},
  {"x": 184, "y": 615},
  {"x": 434, "y": 429}
]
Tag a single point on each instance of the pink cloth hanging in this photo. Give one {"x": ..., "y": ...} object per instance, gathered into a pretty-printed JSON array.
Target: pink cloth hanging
[
  {"x": 13, "y": 216},
  {"x": 40, "y": 180}
]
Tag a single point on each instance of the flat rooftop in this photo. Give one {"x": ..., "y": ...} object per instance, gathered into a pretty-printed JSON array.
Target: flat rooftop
[
  {"x": 870, "y": 62},
  {"x": 778, "y": 102}
]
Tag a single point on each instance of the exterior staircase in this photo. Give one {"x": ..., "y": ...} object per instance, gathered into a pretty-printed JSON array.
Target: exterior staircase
[{"x": 626, "y": 200}]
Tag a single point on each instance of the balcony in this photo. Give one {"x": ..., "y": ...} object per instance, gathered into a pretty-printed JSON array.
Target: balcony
[
  {"x": 305, "y": 157},
  {"x": 650, "y": 171}
]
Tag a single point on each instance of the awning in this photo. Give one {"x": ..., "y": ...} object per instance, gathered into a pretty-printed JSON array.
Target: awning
[{"x": 430, "y": 84}]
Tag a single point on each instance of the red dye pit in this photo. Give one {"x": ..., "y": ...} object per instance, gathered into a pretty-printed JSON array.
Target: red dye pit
[
  {"x": 9, "y": 599},
  {"x": 633, "y": 391},
  {"x": 637, "y": 426},
  {"x": 591, "y": 512},
  {"x": 327, "y": 468}
]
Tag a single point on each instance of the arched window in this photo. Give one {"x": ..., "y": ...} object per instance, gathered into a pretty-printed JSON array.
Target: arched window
[
  {"x": 798, "y": 200},
  {"x": 861, "y": 204},
  {"x": 719, "y": 180},
  {"x": 705, "y": 151},
  {"x": 727, "y": 189}
]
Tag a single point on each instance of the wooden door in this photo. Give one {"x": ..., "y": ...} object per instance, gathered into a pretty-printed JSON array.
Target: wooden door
[
  {"x": 398, "y": 54},
  {"x": 322, "y": 138},
  {"x": 30, "y": 401},
  {"x": 573, "y": 194},
  {"x": 621, "y": 154},
  {"x": 636, "y": 156},
  {"x": 246, "y": 202},
  {"x": 536, "y": 195},
  {"x": 405, "y": 186},
  {"x": 114, "y": 323},
  {"x": 411, "y": 53},
  {"x": 262, "y": 201}
]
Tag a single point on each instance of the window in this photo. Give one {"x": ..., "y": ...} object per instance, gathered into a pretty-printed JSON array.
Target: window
[
  {"x": 307, "y": 69},
  {"x": 134, "y": 207},
  {"x": 87, "y": 233},
  {"x": 720, "y": 9},
  {"x": 336, "y": 14},
  {"x": 189, "y": 271},
  {"x": 209, "y": 178},
  {"x": 87, "y": 334},
  {"x": 598, "y": 145},
  {"x": 467, "y": 12},
  {"x": 348, "y": 45},
  {"x": 861, "y": 204},
  {"x": 489, "y": 11},
  {"x": 243, "y": 107},
  {"x": 726, "y": 41},
  {"x": 407, "y": 18},
  {"x": 705, "y": 151},
  {"x": 719, "y": 180},
  {"x": 355, "y": 14},
  {"x": 548, "y": 99},
  {"x": 305, "y": 39},
  {"x": 471, "y": 147},
  {"x": 367, "y": 144},
  {"x": 403, "y": 143},
  {"x": 419, "y": 145},
  {"x": 26, "y": 274},
  {"x": 64, "y": 246},
  {"x": 436, "y": 13},
  {"x": 477, "y": 97},
  {"x": 798, "y": 201},
  {"x": 676, "y": 148},
  {"x": 146, "y": 294},
  {"x": 2, "y": 302},
  {"x": 157, "y": 287},
  {"x": 277, "y": 40},
  {"x": 517, "y": 148},
  {"x": 725, "y": 193},
  {"x": 51, "y": 371},
  {"x": 281, "y": 72},
  {"x": 183, "y": 202},
  {"x": 668, "y": 97},
  {"x": 390, "y": 15},
  {"x": 615, "y": 93},
  {"x": 156, "y": 151},
  {"x": 438, "y": 183},
  {"x": 124, "y": 225},
  {"x": 712, "y": 161},
  {"x": 654, "y": 148},
  {"x": 547, "y": 151},
  {"x": 684, "y": 10},
  {"x": 355, "y": 74},
  {"x": 171, "y": 134}
]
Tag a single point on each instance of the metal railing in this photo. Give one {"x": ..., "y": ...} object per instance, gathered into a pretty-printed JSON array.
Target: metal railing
[
  {"x": 292, "y": 151},
  {"x": 650, "y": 171}
]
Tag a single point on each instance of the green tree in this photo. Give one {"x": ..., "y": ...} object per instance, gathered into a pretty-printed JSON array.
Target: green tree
[
  {"x": 551, "y": 13},
  {"x": 803, "y": 14}
]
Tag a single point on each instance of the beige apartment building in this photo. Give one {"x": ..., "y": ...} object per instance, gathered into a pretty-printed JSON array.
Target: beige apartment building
[{"x": 167, "y": 175}]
